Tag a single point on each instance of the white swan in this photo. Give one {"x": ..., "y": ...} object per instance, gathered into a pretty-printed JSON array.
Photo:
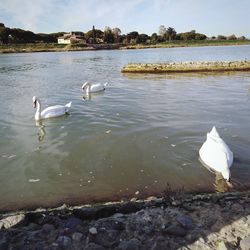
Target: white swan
[
  {"x": 215, "y": 154},
  {"x": 52, "y": 111},
  {"x": 96, "y": 87}
]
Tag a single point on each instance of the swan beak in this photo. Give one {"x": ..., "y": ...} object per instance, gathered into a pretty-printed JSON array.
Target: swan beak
[
  {"x": 229, "y": 184},
  {"x": 34, "y": 104}
]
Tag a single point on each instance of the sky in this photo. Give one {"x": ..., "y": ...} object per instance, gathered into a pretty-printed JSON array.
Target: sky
[{"x": 210, "y": 17}]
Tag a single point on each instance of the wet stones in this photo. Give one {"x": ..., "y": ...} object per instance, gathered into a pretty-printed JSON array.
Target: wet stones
[{"x": 184, "y": 67}]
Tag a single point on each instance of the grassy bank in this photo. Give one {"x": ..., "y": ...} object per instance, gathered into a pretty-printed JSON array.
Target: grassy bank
[
  {"x": 42, "y": 47},
  {"x": 170, "y": 44}
]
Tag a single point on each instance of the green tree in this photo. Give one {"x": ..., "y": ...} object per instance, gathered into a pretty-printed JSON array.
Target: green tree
[
  {"x": 94, "y": 34},
  {"x": 221, "y": 37},
  {"x": 170, "y": 34},
  {"x": 154, "y": 38},
  {"x": 142, "y": 38},
  {"x": 132, "y": 37}
]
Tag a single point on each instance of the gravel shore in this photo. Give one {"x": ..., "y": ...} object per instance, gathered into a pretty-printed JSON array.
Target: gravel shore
[{"x": 180, "y": 221}]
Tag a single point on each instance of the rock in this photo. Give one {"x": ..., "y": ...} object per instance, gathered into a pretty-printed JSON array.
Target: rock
[
  {"x": 93, "y": 230},
  {"x": 133, "y": 244},
  {"x": 64, "y": 241},
  {"x": 93, "y": 246},
  {"x": 77, "y": 236},
  {"x": 175, "y": 230},
  {"x": 72, "y": 222},
  {"x": 159, "y": 244},
  {"x": 222, "y": 246},
  {"x": 107, "y": 238},
  {"x": 245, "y": 244},
  {"x": 118, "y": 215},
  {"x": 185, "y": 221},
  {"x": 237, "y": 208},
  {"x": 11, "y": 221},
  {"x": 210, "y": 220},
  {"x": 47, "y": 228},
  {"x": 110, "y": 223}
]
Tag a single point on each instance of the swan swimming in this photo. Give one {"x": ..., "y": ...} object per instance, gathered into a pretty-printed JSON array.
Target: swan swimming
[
  {"x": 96, "y": 87},
  {"x": 52, "y": 111},
  {"x": 215, "y": 154}
]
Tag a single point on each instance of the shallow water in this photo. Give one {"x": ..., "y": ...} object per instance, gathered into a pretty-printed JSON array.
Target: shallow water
[{"x": 142, "y": 134}]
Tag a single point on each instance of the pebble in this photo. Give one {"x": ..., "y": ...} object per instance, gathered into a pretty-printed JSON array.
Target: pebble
[{"x": 93, "y": 230}]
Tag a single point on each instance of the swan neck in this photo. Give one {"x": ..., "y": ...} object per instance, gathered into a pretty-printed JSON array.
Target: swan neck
[
  {"x": 88, "y": 88},
  {"x": 38, "y": 110}
]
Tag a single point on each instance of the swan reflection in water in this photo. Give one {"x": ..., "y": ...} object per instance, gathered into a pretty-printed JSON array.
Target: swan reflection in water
[
  {"x": 221, "y": 185},
  {"x": 89, "y": 96},
  {"x": 41, "y": 130}
]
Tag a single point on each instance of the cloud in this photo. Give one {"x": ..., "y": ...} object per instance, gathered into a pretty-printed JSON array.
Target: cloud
[{"x": 67, "y": 15}]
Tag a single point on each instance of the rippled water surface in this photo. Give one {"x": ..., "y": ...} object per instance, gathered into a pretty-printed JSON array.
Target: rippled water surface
[{"x": 139, "y": 136}]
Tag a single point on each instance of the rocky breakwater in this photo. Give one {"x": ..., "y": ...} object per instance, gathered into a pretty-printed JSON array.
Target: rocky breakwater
[
  {"x": 185, "y": 67},
  {"x": 208, "y": 221}
]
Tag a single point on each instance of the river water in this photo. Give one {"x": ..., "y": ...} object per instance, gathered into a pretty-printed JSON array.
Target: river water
[{"x": 140, "y": 137}]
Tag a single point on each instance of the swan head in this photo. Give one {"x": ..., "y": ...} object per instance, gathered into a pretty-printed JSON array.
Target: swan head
[
  {"x": 226, "y": 174},
  {"x": 34, "y": 99},
  {"x": 84, "y": 85}
]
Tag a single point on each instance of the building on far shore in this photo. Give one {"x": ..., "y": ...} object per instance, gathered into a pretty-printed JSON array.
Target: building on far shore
[{"x": 72, "y": 37}]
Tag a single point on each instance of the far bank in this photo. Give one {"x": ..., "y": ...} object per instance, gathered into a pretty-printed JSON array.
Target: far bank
[{"x": 55, "y": 47}]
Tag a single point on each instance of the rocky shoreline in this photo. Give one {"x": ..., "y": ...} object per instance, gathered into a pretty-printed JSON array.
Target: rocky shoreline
[
  {"x": 186, "y": 67},
  {"x": 176, "y": 221}
]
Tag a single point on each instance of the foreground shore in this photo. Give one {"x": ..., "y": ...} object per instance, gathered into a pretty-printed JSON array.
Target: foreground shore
[{"x": 177, "y": 221}]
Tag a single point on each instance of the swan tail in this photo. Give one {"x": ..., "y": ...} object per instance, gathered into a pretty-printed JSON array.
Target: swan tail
[{"x": 68, "y": 106}]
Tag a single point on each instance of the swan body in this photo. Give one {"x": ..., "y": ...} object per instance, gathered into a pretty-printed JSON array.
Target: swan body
[
  {"x": 52, "y": 111},
  {"x": 215, "y": 154},
  {"x": 92, "y": 88}
]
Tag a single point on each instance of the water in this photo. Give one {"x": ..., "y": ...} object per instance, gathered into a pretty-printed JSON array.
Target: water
[{"x": 142, "y": 134}]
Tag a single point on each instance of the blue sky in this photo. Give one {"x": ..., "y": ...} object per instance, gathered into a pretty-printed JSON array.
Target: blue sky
[{"x": 211, "y": 17}]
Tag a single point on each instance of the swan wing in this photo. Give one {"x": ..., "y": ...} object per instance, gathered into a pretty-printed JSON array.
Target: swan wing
[
  {"x": 97, "y": 87},
  {"x": 53, "y": 111}
]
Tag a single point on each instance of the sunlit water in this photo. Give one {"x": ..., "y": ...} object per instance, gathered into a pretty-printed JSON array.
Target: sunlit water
[{"x": 139, "y": 136}]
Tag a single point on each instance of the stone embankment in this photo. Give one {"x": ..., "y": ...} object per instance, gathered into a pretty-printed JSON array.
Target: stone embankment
[
  {"x": 209, "y": 221},
  {"x": 185, "y": 67}
]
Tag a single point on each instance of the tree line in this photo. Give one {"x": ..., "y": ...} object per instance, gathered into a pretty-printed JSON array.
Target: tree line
[{"x": 108, "y": 35}]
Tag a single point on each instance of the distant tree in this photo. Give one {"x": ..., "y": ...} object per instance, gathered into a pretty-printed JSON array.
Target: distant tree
[
  {"x": 187, "y": 35},
  {"x": 242, "y": 38},
  {"x": 154, "y": 38},
  {"x": 232, "y": 37},
  {"x": 132, "y": 37},
  {"x": 162, "y": 30},
  {"x": 221, "y": 37},
  {"x": 170, "y": 34},
  {"x": 96, "y": 33},
  {"x": 108, "y": 35},
  {"x": 2, "y": 25},
  {"x": 142, "y": 38},
  {"x": 117, "y": 33},
  {"x": 199, "y": 36}
]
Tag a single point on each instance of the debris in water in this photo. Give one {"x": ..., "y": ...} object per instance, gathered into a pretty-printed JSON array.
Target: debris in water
[
  {"x": 173, "y": 145},
  {"x": 34, "y": 180},
  {"x": 11, "y": 156},
  {"x": 108, "y": 131}
]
